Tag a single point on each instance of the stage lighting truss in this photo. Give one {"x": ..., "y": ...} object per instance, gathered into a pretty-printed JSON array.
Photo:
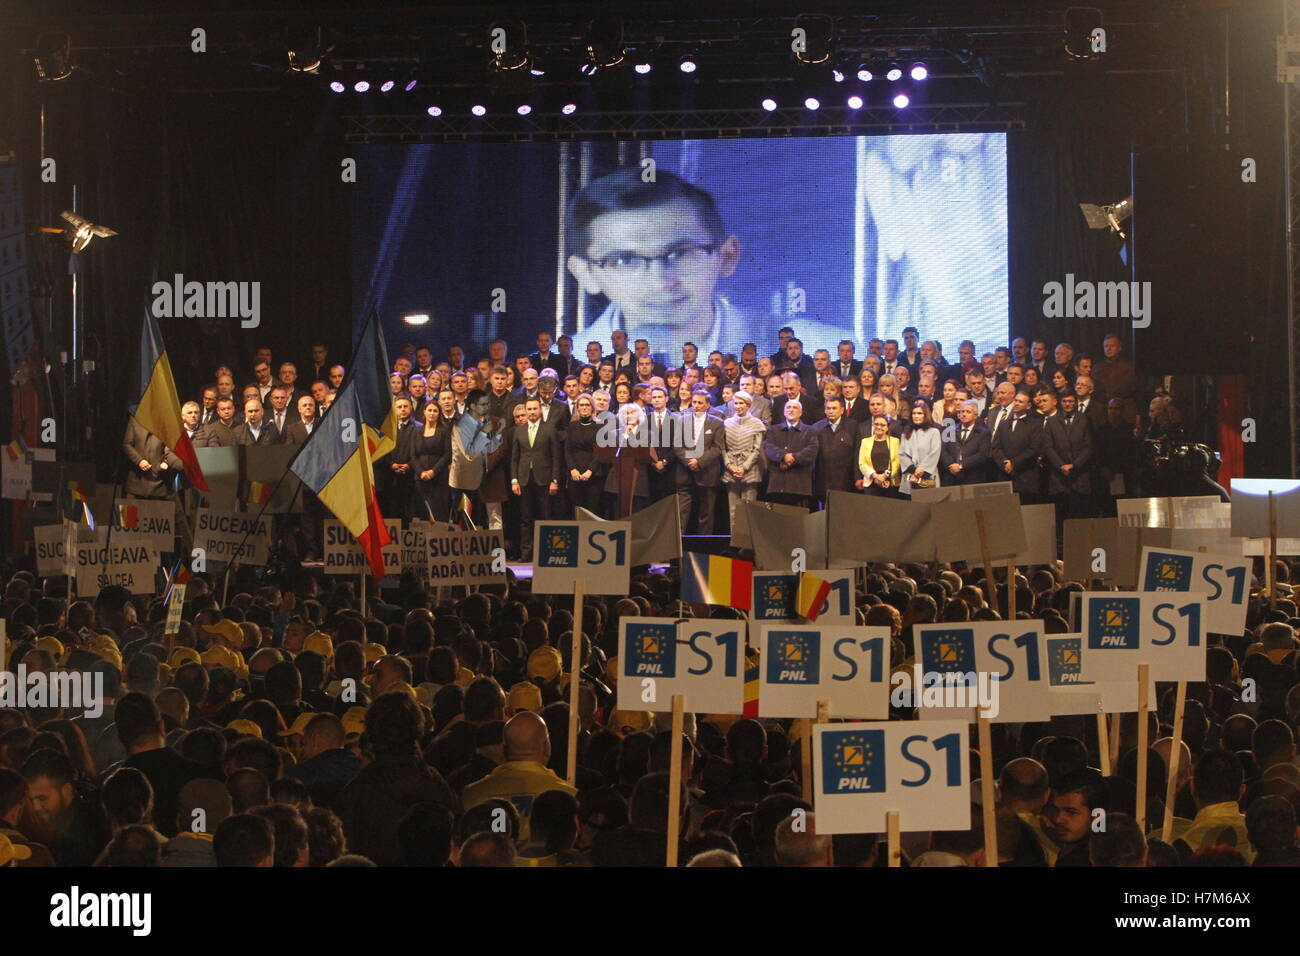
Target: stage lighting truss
[
  {"x": 508, "y": 41},
  {"x": 811, "y": 39}
]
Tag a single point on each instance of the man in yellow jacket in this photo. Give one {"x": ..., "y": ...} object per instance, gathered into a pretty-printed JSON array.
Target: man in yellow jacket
[
  {"x": 524, "y": 775},
  {"x": 1217, "y": 784}
]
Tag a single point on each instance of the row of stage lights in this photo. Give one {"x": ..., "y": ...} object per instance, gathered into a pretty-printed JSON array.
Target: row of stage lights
[{"x": 901, "y": 100}]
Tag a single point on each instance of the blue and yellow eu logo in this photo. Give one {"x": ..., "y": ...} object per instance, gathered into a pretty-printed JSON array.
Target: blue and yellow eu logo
[
  {"x": 1168, "y": 572},
  {"x": 559, "y": 546},
  {"x": 651, "y": 650},
  {"x": 775, "y": 598},
  {"x": 793, "y": 657},
  {"x": 1064, "y": 660},
  {"x": 853, "y": 761},
  {"x": 948, "y": 651},
  {"x": 1113, "y": 623}
]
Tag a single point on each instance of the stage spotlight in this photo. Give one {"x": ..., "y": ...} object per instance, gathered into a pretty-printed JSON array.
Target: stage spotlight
[
  {"x": 361, "y": 86},
  {"x": 854, "y": 102},
  {"x": 53, "y": 56},
  {"x": 387, "y": 86},
  {"x": 810, "y": 40},
  {"x": 769, "y": 104},
  {"x": 523, "y": 109},
  {"x": 434, "y": 111},
  {"x": 83, "y": 230},
  {"x": 895, "y": 74},
  {"x": 569, "y": 108},
  {"x": 919, "y": 72},
  {"x": 478, "y": 109},
  {"x": 305, "y": 56},
  {"x": 337, "y": 86},
  {"x": 864, "y": 73},
  {"x": 901, "y": 100},
  {"x": 837, "y": 76},
  {"x": 537, "y": 69},
  {"x": 1108, "y": 217},
  {"x": 416, "y": 318},
  {"x": 811, "y": 103},
  {"x": 687, "y": 63},
  {"x": 643, "y": 68},
  {"x": 589, "y": 68},
  {"x": 1085, "y": 34},
  {"x": 508, "y": 41},
  {"x": 410, "y": 85}
]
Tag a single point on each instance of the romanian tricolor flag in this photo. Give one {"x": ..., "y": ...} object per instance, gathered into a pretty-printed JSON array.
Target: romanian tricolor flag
[
  {"x": 180, "y": 575},
  {"x": 710, "y": 579},
  {"x": 813, "y": 592},
  {"x": 128, "y": 516},
  {"x": 159, "y": 411},
  {"x": 79, "y": 491},
  {"x": 337, "y": 461},
  {"x": 16, "y": 449},
  {"x": 259, "y": 493},
  {"x": 752, "y": 675}
]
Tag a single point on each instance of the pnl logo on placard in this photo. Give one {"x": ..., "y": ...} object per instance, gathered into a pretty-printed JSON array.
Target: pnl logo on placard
[
  {"x": 1114, "y": 624},
  {"x": 853, "y": 761},
  {"x": 1064, "y": 661},
  {"x": 793, "y": 658},
  {"x": 651, "y": 650},
  {"x": 559, "y": 547},
  {"x": 949, "y": 652},
  {"x": 1168, "y": 572},
  {"x": 775, "y": 599}
]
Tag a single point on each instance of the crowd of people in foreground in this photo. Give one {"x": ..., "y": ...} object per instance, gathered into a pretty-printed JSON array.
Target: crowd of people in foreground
[{"x": 289, "y": 729}]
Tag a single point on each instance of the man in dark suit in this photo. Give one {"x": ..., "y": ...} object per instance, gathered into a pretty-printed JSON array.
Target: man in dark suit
[
  {"x": 554, "y": 412},
  {"x": 622, "y": 358},
  {"x": 1015, "y": 453},
  {"x": 152, "y": 463},
  {"x": 664, "y": 437},
  {"x": 219, "y": 433},
  {"x": 964, "y": 459},
  {"x": 838, "y": 437},
  {"x": 699, "y": 457},
  {"x": 847, "y": 366},
  {"x": 528, "y": 386},
  {"x": 544, "y": 358},
  {"x": 280, "y": 414},
  {"x": 642, "y": 347},
  {"x": 535, "y": 463},
  {"x": 910, "y": 357},
  {"x": 299, "y": 430},
  {"x": 1090, "y": 406},
  {"x": 855, "y": 405},
  {"x": 394, "y": 480},
  {"x": 797, "y": 361},
  {"x": 253, "y": 430},
  {"x": 501, "y": 399},
  {"x": 812, "y": 406},
  {"x": 1067, "y": 446},
  {"x": 791, "y": 452}
]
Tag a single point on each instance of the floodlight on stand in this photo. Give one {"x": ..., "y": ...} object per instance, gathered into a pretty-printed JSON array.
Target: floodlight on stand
[
  {"x": 416, "y": 318},
  {"x": 53, "y": 56},
  {"x": 1108, "y": 217}
]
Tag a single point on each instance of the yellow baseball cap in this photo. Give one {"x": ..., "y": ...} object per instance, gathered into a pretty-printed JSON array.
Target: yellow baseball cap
[
  {"x": 465, "y": 677},
  {"x": 228, "y": 631},
  {"x": 299, "y": 725},
  {"x": 630, "y": 721},
  {"x": 245, "y": 727},
  {"x": 321, "y": 643},
  {"x": 10, "y": 851},
  {"x": 184, "y": 655},
  {"x": 524, "y": 696},
  {"x": 219, "y": 655},
  {"x": 53, "y": 645},
  {"x": 374, "y": 652},
  {"x": 545, "y": 662},
  {"x": 354, "y": 721}
]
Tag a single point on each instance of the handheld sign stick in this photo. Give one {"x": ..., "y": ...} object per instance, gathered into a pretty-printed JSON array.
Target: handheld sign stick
[
  {"x": 1103, "y": 744},
  {"x": 988, "y": 562},
  {"x": 575, "y": 673},
  {"x": 1272, "y": 551},
  {"x": 823, "y": 716},
  {"x": 986, "y": 790},
  {"x": 893, "y": 838},
  {"x": 1175, "y": 752},
  {"x": 675, "y": 779},
  {"x": 1114, "y": 739},
  {"x": 1011, "y": 589},
  {"x": 1144, "y": 680},
  {"x": 361, "y": 581}
]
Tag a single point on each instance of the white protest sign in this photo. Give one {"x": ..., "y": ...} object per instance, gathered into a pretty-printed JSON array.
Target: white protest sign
[
  {"x": 915, "y": 768},
  {"x": 50, "y": 550},
  {"x": 1071, "y": 694},
  {"x": 1224, "y": 578},
  {"x": 1123, "y": 629},
  {"x": 776, "y": 593},
  {"x": 15, "y": 476},
  {"x": 701, "y": 659},
  {"x": 220, "y": 533},
  {"x": 995, "y": 666},
  {"x": 343, "y": 553},
  {"x": 155, "y": 521},
  {"x": 598, "y": 553},
  {"x": 981, "y": 489},
  {"x": 101, "y": 565},
  {"x": 175, "y": 605},
  {"x": 956, "y": 527},
  {"x": 464, "y": 557},
  {"x": 846, "y": 666}
]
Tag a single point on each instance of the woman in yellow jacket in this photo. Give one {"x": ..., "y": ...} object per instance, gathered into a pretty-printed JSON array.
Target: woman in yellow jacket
[{"x": 878, "y": 460}]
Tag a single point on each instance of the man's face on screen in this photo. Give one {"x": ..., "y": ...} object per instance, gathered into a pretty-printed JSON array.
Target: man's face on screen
[{"x": 677, "y": 295}]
